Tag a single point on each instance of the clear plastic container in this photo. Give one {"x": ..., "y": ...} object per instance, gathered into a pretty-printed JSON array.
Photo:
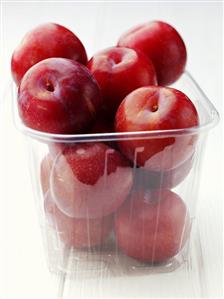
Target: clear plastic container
[{"x": 84, "y": 245}]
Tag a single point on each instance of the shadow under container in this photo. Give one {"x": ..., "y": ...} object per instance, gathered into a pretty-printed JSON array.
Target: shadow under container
[{"x": 101, "y": 215}]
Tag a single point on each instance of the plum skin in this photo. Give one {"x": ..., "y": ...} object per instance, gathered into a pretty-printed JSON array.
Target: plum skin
[
  {"x": 58, "y": 95},
  {"x": 46, "y": 41},
  {"x": 87, "y": 178},
  {"x": 152, "y": 226},
  {"x": 78, "y": 233},
  {"x": 162, "y": 44},
  {"x": 155, "y": 108},
  {"x": 119, "y": 71}
]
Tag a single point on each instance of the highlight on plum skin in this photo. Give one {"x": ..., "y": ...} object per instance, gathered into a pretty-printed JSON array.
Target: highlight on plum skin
[
  {"x": 45, "y": 172},
  {"x": 150, "y": 180}
]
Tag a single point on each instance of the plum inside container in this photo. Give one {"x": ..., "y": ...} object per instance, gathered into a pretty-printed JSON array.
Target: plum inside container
[{"x": 103, "y": 215}]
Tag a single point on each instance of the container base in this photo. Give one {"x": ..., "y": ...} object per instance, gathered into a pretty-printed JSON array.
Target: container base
[{"x": 112, "y": 274}]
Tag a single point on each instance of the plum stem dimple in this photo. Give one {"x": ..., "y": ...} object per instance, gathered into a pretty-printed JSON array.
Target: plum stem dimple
[
  {"x": 49, "y": 86},
  {"x": 115, "y": 58},
  {"x": 154, "y": 108}
]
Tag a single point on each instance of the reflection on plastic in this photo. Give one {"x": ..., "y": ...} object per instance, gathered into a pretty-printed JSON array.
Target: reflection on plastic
[
  {"x": 90, "y": 178},
  {"x": 79, "y": 233}
]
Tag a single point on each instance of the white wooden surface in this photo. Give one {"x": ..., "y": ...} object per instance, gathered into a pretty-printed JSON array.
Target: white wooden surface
[{"x": 23, "y": 271}]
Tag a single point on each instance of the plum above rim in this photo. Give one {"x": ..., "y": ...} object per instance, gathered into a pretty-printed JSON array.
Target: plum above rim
[{"x": 68, "y": 138}]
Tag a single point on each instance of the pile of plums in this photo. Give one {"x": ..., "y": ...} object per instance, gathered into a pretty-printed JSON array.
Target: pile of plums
[{"x": 121, "y": 186}]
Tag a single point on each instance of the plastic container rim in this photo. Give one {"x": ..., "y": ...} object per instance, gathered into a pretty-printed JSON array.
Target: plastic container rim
[{"x": 69, "y": 138}]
